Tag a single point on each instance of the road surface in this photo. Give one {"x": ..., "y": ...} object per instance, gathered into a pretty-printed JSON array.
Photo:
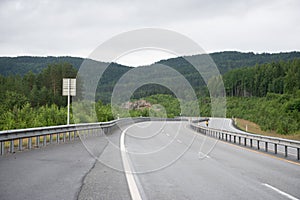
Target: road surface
[{"x": 164, "y": 160}]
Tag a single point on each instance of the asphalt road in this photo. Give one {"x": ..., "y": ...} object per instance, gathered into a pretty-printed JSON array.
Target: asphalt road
[
  {"x": 53, "y": 172},
  {"x": 179, "y": 164},
  {"x": 165, "y": 160},
  {"x": 56, "y": 171}
]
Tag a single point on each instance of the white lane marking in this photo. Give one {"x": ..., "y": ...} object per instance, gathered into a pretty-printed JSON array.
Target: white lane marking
[
  {"x": 179, "y": 141},
  {"x": 202, "y": 155},
  {"x": 168, "y": 134},
  {"x": 133, "y": 189},
  {"x": 280, "y": 192}
]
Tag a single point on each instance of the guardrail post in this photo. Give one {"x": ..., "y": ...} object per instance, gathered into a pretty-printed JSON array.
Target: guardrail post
[
  {"x": 275, "y": 148},
  {"x": 69, "y": 135},
  {"x": 266, "y": 147},
  {"x": 57, "y": 138},
  {"x": 245, "y": 142},
  {"x": 29, "y": 143},
  {"x": 239, "y": 140},
  {"x": 64, "y": 137},
  {"x": 51, "y": 138},
  {"x": 258, "y": 144},
  {"x": 75, "y": 133},
  {"x": 37, "y": 141},
  {"x": 251, "y": 143},
  {"x": 234, "y": 139},
  {"x": 298, "y": 153},
  {"x": 2, "y": 147},
  {"x": 11, "y": 146},
  {"x": 285, "y": 151},
  {"x": 45, "y": 140},
  {"x": 20, "y": 144}
]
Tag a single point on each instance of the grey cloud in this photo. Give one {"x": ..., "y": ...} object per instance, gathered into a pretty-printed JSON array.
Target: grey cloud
[{"x": 76, "y": 27}]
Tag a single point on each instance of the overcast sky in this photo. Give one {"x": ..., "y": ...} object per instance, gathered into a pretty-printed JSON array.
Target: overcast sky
[{"x": 76, "y": 28}]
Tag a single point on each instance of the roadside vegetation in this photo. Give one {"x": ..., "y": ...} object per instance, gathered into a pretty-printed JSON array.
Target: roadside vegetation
[
  {"x": 252, "y": 127},
  {"x": 266, "y": 94}
]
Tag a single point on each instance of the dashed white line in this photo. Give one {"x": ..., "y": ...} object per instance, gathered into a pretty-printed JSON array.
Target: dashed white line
[
  {"x": 134, "y": 191},
  {"x": 168, "y": 134},
  {"x": 280, "y": 192},
  {"x": 179, "y": 141}
]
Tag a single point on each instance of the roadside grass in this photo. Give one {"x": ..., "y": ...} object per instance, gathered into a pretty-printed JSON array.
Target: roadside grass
[{"x": 254, "y": 128}]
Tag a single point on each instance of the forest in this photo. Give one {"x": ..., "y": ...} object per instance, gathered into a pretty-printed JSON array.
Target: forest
[
  {"x": 225, "y": 61},
  {"x": 267, "y": 93}
]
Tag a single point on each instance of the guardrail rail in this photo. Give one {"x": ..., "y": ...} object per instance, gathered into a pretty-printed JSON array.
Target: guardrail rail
[
  {"x": 250, "y": 140},
  {"x": 20, "y": 139}
]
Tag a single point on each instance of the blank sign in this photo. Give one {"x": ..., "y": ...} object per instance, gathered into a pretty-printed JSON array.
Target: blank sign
[{"x": 69, "y": 84}]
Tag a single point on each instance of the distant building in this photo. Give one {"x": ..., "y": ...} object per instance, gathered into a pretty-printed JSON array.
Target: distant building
[{"x": 137, "y": 105}]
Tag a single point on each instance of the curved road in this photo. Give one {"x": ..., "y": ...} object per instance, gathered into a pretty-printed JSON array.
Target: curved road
[
  {"x": 164, "y": 160},
  {"x": 226, "y": 124}
]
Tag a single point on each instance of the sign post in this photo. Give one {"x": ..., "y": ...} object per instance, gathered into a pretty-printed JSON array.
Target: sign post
[{"x": 69, "y": 89}]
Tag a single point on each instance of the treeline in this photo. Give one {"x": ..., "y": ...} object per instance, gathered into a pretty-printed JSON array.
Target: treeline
[
  {"x": 267, "y": 94},
  {"x": 225, "y": 61},
  {"x": 21, "y": 65},
  {"x": 275, "y": 112},
  {"x": 34, "y": 99},
  {"x": 280, "y": 77},
  {"x": 38, "y": 90}
]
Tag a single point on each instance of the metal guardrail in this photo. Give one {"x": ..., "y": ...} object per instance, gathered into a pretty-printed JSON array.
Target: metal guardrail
[
  {"x": 37, "y": 137},
  {"x": 248, "y": 139},
  {"x": 42, "y": 136}
]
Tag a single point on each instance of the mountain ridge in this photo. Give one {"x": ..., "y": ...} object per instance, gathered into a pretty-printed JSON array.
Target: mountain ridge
[{"x": 225, "y": 61}]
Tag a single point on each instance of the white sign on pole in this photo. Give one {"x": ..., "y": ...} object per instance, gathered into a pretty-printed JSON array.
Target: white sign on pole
[
  {"x": 69, "y": 85},
  {"x": 69, "y": 89}
]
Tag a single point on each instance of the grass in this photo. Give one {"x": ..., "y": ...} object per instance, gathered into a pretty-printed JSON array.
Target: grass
[{"x": 254, "y": 128}]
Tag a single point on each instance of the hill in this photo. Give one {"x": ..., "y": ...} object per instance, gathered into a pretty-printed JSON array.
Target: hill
[
  {"x": 23, "y": 64},
  {"x": 225, "y": 62}
]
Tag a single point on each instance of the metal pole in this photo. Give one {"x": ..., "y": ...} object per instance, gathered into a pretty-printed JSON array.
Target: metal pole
[{"x": 68, "y": 119}]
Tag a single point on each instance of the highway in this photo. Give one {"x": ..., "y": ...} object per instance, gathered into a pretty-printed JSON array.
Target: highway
[
  {"x": 162, "y": 160},
  {"x": 207, "y": 169}
]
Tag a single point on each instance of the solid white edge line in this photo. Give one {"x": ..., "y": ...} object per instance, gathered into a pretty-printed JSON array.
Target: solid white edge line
[
  {"x": 280, "y": 192},
  {"x": 133, "y": 189}
]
